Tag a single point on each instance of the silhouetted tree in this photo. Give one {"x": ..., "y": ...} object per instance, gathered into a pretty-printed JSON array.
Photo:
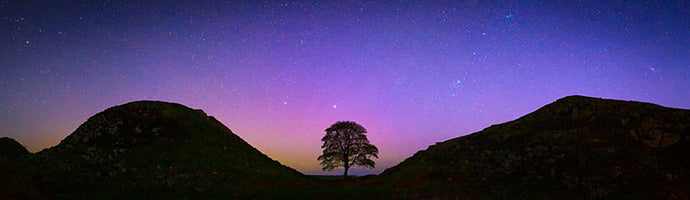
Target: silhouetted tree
[{"x": 345, "y": 145}]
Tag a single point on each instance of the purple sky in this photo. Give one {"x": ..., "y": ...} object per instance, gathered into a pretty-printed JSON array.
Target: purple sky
[{"x": 278, "y": 73}]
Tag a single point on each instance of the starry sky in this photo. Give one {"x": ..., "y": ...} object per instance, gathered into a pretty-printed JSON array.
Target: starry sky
[{"x": 278, "y": 73}]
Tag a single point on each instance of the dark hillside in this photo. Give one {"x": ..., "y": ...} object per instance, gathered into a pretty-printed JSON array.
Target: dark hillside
[
  {"x": 15, "y": 180},
  {"x": 576, "y": 147},
  {"x": 158, "y": 149},
  {"x": 11, "y": 149}
]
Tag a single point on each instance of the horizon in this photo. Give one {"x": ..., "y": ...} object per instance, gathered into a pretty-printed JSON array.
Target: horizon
[{"x": 278, "y": 73}]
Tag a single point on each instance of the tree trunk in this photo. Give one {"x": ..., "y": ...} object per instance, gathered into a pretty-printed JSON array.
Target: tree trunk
[
  {"x": 345, "y": 174},
  {"x": 346, "y": 158}
]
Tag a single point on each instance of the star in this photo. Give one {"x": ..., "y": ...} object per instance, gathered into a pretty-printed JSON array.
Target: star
[{"x": 256, "y": 58}]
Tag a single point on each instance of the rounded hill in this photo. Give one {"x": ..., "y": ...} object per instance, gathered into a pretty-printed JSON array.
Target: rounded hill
[
  {"x": 11, "y": 149},
  {"x": 153, "y": 144},
  {"x": 577, "y": 147}
]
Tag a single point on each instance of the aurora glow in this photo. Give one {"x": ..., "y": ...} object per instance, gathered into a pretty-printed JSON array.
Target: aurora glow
[{"x": 278, "y": 73}]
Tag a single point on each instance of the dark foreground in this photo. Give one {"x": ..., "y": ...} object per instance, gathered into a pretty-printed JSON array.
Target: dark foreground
[{"x": 575, "y": 148}]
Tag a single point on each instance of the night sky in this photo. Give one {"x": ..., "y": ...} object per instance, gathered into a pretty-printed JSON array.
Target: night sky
[{"x": 278, "y": 73}]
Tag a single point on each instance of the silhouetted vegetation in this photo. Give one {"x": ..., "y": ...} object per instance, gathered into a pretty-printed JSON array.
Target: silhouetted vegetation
[{"x": 345, "y": 145}]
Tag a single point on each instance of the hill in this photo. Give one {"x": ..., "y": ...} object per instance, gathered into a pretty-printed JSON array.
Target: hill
[
  {"x": 15, "y": 180},
  {"x": 11, "y": 149},
  {"x": 577, "y": 147},
  {"x": 574, "y": 148},
  {"x": 156, "y": 149}
]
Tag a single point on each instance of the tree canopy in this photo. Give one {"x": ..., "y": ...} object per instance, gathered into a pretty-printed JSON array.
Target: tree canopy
[{"x": 345, "y": 145}]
